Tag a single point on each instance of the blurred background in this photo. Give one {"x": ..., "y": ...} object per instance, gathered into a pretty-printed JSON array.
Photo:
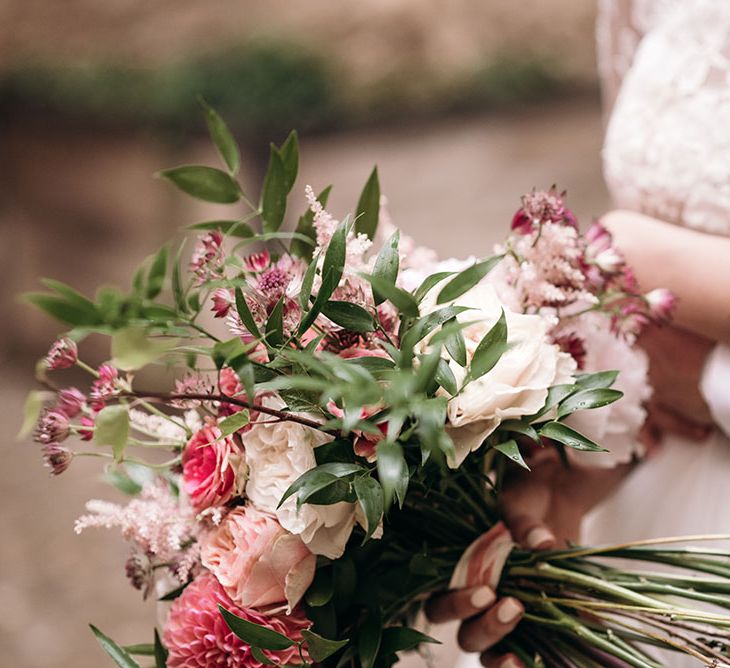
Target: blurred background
[{"x": 463, "y": 105}]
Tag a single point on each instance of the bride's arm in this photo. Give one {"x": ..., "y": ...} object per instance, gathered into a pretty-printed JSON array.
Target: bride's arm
[{"x": 693, "y": 265}]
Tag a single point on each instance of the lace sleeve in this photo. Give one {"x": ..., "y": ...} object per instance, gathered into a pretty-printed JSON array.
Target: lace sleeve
[{"x": 617, "y": 38}]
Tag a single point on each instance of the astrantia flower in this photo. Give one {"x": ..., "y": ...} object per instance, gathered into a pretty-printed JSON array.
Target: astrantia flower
[
  {"x": 53, "y": 425},
  {"x": 540, "y": 207},
  {"x": 57, "y": 457},
  {"x": 257, "y": 262},
  {"x": 71, "y": 401},
  {"x": 222, "y": 301},
  {"x": 661, "y": 303},
  {"x": 104, "y": 387},
  {"x": 196, "y": 636},
  {"x": 574, "y": 345},
  {"x": 207, "y": 260},
  {"x": 86, "y": 430},
  {"x": 210, "y": 462},
  {"x": 258, "y": 562},
  {"x": 629, "y": 320},
  {"x": 62, "y": 355}
]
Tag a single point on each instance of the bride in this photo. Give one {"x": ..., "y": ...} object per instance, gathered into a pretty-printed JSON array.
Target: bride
[{"x": 665, "y": 69}]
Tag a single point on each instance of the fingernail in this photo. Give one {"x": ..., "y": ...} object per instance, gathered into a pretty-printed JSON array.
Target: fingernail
[
  {"x": 482, "y": 598},
  {"x": 508, "y": 611},
  {"x": 539, "y": 537}
]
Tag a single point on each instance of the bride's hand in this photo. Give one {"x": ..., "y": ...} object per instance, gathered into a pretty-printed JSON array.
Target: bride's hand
[
  {"x": 676, "y": 361},
  {"x": 543, "y": 509}
]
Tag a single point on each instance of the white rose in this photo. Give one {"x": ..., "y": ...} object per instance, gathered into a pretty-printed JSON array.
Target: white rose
[
  {"x": 277, "y": 454},
  {"x": 616, "y": 426},
  {"x": 517, "y": 385}
]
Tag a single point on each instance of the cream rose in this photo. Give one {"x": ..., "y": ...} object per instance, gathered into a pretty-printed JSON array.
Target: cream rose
[
  {"x": 518, "y": 383},
  {"x": 277, "y": 454}
]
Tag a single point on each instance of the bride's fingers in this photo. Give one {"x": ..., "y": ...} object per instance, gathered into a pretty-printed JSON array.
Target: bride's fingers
[
  {"x": 459, "y": 604},
  {"x": 492, "y": 660},
  {"x": 481, "y": 633},
  {"x": 531, "y": 533}
]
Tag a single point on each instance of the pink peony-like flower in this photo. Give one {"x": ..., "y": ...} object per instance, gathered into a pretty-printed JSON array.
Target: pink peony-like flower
[
  {"x": 62, "y": 355},
  {"x": 71, "y": 401},
  {"x": 209, "y": 468},
  {"x": 257, "y": 561},
  {"x": 196, "y": 635}
]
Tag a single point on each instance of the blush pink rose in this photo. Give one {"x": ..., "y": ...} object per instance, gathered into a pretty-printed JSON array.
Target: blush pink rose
[
  {"x": 196, "y": 635},
  {"x": 209, "y": 468},
  {"x": 257, "y": 561}
]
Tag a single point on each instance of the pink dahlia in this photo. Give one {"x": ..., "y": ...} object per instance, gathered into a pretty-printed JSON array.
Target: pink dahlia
[
  {"x": 196, "y": 635},
  {"x": 257, "y": 561},
  {"x": 209, "y": 468}
]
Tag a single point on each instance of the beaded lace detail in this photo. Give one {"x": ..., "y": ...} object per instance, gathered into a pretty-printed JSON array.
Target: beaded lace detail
[{"x": 665, "y": 69}]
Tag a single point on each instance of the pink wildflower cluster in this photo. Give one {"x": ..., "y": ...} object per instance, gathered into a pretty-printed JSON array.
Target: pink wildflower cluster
[{"x": 208, "y": 257}]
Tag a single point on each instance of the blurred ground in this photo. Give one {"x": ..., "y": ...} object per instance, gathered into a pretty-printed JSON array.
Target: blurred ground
[{"x": 452, "y": 184}]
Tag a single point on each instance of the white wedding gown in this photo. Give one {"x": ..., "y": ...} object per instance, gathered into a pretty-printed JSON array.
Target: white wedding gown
[{"x": 665, "y": 69}]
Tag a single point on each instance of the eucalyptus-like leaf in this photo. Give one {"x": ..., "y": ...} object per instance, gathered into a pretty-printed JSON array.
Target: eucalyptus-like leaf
[
  {"x": 112, "y": 429},
  {"x": 64, "y": 309},
  {"x": 556, "y": 394},
  {"x": 511, "y": 450},
  {"x": 119, "y": 655},
  {"x": 370, "y": 497},
  {"x": 320, "y": 648},
  {"x": 205, "y": 183},
  {"x": 349, "y": 315},
  {"x": 386, "y": 266},
  {"x": 72, "y": 296},
  {"x": 520, "y": 427},
  {"x": 562, "y": 433},
  {"x": 588, "y": 399},
  {"x": 323, "y": 474},
  {"x": 368, "y": 207},
  {"x": 429, "y": 283},
  {"x": 222, "y": 137},
  {"x": 143, "y": 649},
  {"x": 444, "y": 376},
  {"x": 132, "y": 348},
  {"x": 401, "y": 299},
  {"x": 255, "y": 635},
  {"x": 467, "y": 279},
  {"x": 275, "y": 325},
  {"x": 245, "y": 314},
  {"x": 490, "y": 349},
  {"x": 426, "y": 324},
  {"x": 597, "y": 381},
  {"x": 307, "y": 282},
  {"x": 289, "y": 153},
  {"x": 455, "y": 346},
  {"x": 274, "y": 192}
]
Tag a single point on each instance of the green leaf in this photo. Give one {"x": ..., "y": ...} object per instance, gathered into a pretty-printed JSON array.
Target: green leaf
[
  {"x": 599, "y": 380},
  {"x": 401, "y": 299},
  {"x": 519, "y": 427},
  {"x": 122, "y": 482},
  {"x": 175, "y": 593},
  {"x": 386, "y": 265},
  {"x": 233, "y": 423},
  {"x": 160, "y": 652},
  {"x": 72, "y": 296},
  {"x": 112, "y": 429},
  {"x": 349, "y": 315},
  {"x": 429, "y": 283},
  {"x": 224, "y": 351},
  {"x": 455, "y": 346},
  {"x": 232, "y": 228},
  {"x": 290, "y": 158},
  {"x": 254, "y": 634},
  {"x": 322, "y": 588},
  {"x": 445, "y": 377},
  {"x": 403, "y": 639},
  {"x": 368, "y": 207},
  {"x": 261, "y": 657},
  {"x": 63, "y": 309},
  {"x": 511, "y": 450},
  {"x": 588, "y": 399},
  {"x": 555, "y": 395},
  {"x": 369, "y": 638},
  {"x": 132, "y": 348},
  {"x": 144, "y": 649},
  {"x": 178, "y": 292},
  {"x": 320, "y": 648},
  {"x": 392, "y": 471},
  {"x": 562, "y": 433},
  {"x": 156, "y": 275},
  {"x": 275, "y": 325},
  {"x": 426, "y": 324},
  {"x": 222, "y": 137},
  {"x": 305, "y": 227},
  {"x": 467, "y": 279},
  {"x": 370, "y": 497},
  {"x": 31, "y": 411},
  {"x": 120, "y": 656},
  {"x": 319, "y": 478},
  {"x": 205, "y": 183},
  {"x": 245, "y": 314},
  {"x": 307, "y": 282},
  {"x": 273, "y": 195},
  {"x": 490, "y": 349}
]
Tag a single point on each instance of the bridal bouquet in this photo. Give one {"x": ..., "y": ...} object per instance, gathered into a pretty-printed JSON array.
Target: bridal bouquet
[{"x": 333, "y": 417}]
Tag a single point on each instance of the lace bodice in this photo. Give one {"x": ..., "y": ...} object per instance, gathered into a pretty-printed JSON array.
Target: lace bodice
[{"x": 665, "y": 68}]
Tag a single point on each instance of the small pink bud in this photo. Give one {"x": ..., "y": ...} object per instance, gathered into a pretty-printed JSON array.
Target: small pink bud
[
  {"x": 257, "y": 262},
  {"x": 104, "y": 387},
  {"x": 88, "y": 433},
  {"x": 71, "y": 401},
  {"x": 62, "y": 355},
  {"x": 521, "y": 222},
  {"x": 53, "y": 425},
  {"x": 661, "y": 303},
  {"x": 57, "y": 457}
]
